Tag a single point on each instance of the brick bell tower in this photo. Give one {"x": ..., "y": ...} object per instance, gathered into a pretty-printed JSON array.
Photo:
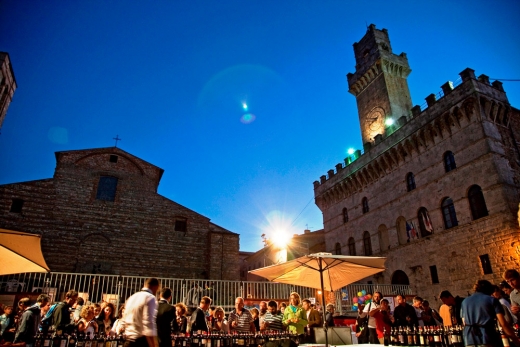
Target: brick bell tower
[{"x": 379, "y": 83}]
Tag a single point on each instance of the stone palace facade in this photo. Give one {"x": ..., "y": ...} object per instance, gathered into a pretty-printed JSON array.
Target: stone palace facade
[{"x": 436, "y": 189}]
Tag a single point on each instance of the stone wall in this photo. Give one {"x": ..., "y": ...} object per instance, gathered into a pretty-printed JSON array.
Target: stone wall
[
  {"x": 133, "y": 235},
  {"x": 478, "y": 125}
]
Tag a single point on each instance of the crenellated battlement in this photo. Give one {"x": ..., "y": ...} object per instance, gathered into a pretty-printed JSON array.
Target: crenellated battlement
[
  {"x": 374, "y": 56},
  {"x": 456, "y": 100}
]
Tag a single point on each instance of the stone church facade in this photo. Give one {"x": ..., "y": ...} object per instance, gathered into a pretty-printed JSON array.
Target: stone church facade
[
  {"x": 101, "y": 213},
  {"x": 436, "y": 189}
]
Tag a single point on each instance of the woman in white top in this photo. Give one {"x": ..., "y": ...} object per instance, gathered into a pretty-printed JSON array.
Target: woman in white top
[
  {"x": 118, "y": 327},
  {"x": 87, "y": 324},
  {"x": 221, "y": 323}
]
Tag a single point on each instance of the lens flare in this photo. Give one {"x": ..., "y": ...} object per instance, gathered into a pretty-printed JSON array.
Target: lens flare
[
  {"x": 277, "y": 228},
  {"x": 281, "y": 238},
  {"x": 244, "y": 106},
  {"x": 350, "y": 151},
  {"x": 389, "y": 122},
  {"x": 247, "y": 118}
]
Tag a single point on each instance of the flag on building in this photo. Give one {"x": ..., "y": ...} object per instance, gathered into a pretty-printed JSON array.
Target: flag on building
[
  {"x": 427, "y": 222},
  {"x": 411, "y": 231}
]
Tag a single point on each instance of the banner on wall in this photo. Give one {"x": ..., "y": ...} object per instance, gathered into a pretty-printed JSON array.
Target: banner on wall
[
  {"x": 344, "y": 295},
  {"x": 411, "y": 231}
]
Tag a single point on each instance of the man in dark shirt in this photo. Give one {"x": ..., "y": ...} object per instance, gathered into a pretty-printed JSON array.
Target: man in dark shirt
[
  {"x": 404, "y": 313},
  {"x": 455, "y": 304},
  {"x": 329, "y": 316},
  {"x": 198, "y": 317},
  {"x": 166, "y": 321},
  {"x": 61, "y": 314}
]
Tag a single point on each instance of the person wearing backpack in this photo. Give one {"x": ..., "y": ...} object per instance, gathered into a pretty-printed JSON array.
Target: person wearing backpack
[
  {"x": 30, "y": 320},
  {"x": 61, "y": 314}
]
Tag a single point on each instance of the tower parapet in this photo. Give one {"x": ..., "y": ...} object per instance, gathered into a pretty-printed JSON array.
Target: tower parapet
[
  {"x": 379, "y": 84},
  {"x": 7, "y": 84},
  {"x": 432, "y": 117}
]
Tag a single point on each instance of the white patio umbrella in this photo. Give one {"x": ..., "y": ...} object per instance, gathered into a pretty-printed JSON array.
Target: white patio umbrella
[
  {"x": 323, "y": 271},
  {"x": 20, "y": 252}
]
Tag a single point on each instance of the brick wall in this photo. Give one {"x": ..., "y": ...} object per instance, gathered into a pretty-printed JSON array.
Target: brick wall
[{"x": 133, "y": 235}]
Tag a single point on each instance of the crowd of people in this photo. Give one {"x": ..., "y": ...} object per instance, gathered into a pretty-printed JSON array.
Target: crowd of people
[
  {"x": 145, "y": 321},
  {"x": 488, "y": 317}
]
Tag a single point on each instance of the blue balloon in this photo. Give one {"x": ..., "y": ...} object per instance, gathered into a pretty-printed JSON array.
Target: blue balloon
[
  {"x": 364, "y": 292},
  {"x": 354, "y": 308}
]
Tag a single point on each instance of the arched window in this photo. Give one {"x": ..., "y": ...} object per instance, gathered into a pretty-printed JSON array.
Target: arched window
[
  {"x": 367, "y": 243},
  {"x": 425, "y": 223},
  {"x": 345, "y": 215},
  {"x": 449, "y": 161},
  {"x": 477, "y": 202},
  {"x": 364, "y": 203},
  {"x": 400, "y": 225},
  {"x": 400, "y": 277},
  {"x": 448, "y": 213},
  {"x": 410, "y": 181},
  {"x": 384, "y": 241},
  {"x": 351, "y": 246},
  {"x": 338, "y": 248}
]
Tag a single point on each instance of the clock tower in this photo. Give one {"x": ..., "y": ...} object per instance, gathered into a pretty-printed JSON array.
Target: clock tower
[{"x": 379, "y": 83}]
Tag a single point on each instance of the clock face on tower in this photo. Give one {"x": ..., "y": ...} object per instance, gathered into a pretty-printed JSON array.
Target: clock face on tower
[{"x": 375, "y": 121}]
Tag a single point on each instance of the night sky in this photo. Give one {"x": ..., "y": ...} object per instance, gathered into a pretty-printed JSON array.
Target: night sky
[{"x": 243, "y": 103}]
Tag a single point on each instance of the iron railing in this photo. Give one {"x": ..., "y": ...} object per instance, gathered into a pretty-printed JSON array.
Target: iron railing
[{"x": 116, "y": 288}]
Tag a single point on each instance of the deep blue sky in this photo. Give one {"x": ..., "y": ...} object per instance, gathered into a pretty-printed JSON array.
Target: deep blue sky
[{"x": 170, "y": 77}]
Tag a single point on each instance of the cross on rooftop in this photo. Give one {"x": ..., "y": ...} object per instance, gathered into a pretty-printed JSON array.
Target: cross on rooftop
[{"x": 117, "y": 139}]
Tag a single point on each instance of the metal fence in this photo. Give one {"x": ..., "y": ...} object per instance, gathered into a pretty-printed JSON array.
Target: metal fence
[{"x": 116, "y": 289}]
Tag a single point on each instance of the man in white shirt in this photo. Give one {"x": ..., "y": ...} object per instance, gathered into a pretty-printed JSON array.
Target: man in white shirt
[
  {"x": 370, "y": 309},
  {"x": 141, "y": 316}
]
